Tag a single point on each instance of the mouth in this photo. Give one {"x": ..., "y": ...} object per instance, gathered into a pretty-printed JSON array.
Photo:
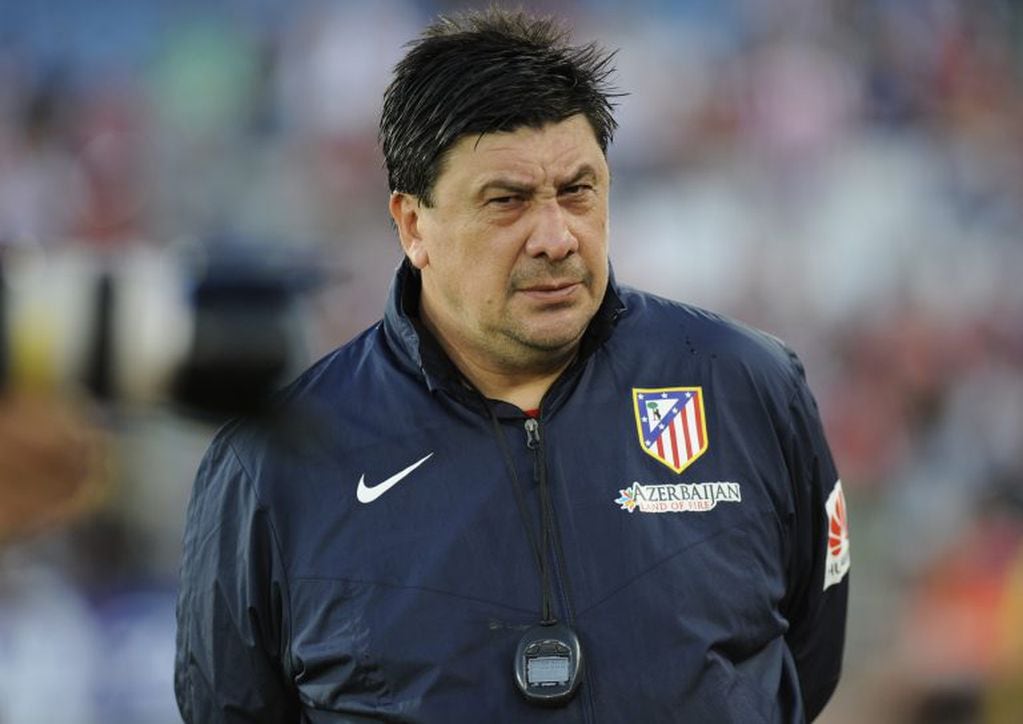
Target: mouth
[{"x": 552, "y": 291}]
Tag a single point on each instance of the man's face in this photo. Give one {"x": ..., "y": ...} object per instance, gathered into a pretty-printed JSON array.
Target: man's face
[{"x": 513, "y": 253}]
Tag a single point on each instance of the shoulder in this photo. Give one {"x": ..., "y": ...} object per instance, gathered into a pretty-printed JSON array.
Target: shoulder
[
  {"x": 693, "y": 332},
  {"x": 353, "y": 364}
]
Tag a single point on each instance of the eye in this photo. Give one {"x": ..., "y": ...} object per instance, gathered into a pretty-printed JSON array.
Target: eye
[
  {"x": 503, "y": 200},
  {"x": 576, "y": 189}
]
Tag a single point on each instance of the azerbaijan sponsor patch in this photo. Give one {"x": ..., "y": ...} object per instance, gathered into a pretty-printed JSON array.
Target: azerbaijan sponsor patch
[
  {"x": 677, "y": 498},
  {"x": 671, "y": 424},
  {"x": 837, "y": 561}
]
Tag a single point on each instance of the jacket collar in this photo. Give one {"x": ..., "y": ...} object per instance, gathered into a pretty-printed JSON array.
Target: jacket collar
[{"x": 420, "y": 352}]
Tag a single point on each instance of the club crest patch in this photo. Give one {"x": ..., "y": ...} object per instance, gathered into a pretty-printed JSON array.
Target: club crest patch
[{"x": 671, "y": 423}]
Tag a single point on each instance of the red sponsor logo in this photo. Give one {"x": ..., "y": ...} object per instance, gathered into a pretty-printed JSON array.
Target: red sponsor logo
[{"x": 838, "y": 560}]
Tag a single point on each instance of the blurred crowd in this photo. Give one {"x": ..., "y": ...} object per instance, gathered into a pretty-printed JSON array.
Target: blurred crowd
[{"x": 847, "y": 175}]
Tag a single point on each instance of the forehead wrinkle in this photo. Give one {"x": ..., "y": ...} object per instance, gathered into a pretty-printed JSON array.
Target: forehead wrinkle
[
  {"x": 527, "y": 173},
  {"x": 513, "y": 160}
]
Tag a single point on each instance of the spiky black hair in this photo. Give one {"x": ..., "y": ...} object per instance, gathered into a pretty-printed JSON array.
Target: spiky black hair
[{"x": 482, "y": 72}]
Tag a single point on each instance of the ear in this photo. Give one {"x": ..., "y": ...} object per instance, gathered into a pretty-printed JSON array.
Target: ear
[{"x": 405, "y": 210}]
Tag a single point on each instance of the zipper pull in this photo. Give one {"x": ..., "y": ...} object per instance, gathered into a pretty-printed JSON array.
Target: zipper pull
[{"x": 532, "y": 433}]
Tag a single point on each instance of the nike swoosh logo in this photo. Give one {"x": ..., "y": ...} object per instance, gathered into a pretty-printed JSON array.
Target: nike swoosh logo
[{"x": 367, "y": 494}]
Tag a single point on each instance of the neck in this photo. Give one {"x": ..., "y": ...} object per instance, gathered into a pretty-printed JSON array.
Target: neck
[
  {"x": 524, "y": 389},
  {"x": 522, "y": 385}
]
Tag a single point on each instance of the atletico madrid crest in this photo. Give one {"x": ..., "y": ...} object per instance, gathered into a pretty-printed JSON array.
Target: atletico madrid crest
[{"x": 671, "y": 423}]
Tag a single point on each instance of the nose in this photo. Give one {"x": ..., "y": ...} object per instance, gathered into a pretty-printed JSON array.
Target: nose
[{"x": 551, "y": 235}]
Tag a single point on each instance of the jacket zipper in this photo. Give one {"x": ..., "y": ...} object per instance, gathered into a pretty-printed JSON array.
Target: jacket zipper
[
  {"x": 532, "y": 426},
  {"x": 533, "y": 442}
]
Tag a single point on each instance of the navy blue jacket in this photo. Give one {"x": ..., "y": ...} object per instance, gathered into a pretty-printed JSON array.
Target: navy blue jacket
[{"x": 700, "y": 546}]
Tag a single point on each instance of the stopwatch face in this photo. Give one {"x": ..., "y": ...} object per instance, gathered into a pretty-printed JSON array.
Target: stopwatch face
[{"x": 548, "y": 664}]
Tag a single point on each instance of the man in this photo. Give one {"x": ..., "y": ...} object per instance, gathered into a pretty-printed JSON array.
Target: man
[{"x": 527, "y": 493}]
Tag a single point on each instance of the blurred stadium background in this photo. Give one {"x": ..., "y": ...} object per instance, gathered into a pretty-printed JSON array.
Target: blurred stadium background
[{"x": 192, "y": 207}]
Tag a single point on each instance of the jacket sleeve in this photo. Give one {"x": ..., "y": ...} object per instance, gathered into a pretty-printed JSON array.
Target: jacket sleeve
[
  {"x": 231, "y": 609},
  {"x": 818, "y": 561}
]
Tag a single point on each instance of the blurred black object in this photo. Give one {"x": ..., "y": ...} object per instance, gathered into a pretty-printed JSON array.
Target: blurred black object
[
  {"x": 100, "y": 371},
  {"x": 212, "y": 329},
  {"x": 246, "y": 330}
]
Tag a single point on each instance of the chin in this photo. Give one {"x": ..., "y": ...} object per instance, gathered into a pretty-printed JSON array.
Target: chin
[
  {"x": 551, "y": 331},
  {"x": 556, "y": 338}
]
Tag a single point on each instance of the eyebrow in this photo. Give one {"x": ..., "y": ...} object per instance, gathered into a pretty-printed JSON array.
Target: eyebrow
[{"x": 515, "y": 187}]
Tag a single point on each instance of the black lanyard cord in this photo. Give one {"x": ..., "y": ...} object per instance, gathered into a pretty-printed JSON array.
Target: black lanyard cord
[
  {"x": 550, "y": 524},
  {"x": 549, "y": 658}
]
